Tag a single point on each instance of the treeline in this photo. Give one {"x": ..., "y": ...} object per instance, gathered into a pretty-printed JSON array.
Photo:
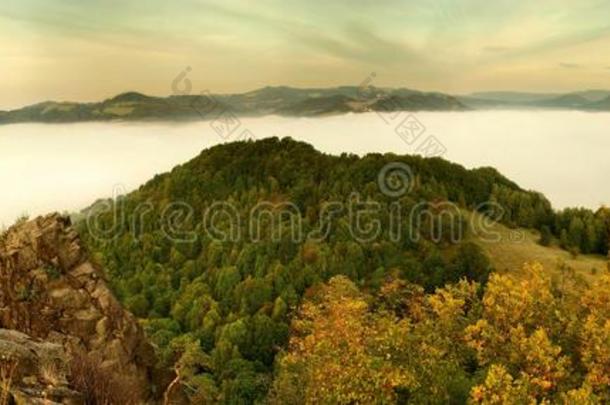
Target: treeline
[
  {"x": 578, "y": 230},
  {"x": 582, "y": 231}
]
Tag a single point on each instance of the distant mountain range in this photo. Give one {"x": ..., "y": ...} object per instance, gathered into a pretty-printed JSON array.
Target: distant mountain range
[
  {"x": 291, "y": 101},
  {"x": 588, "y": 100}
]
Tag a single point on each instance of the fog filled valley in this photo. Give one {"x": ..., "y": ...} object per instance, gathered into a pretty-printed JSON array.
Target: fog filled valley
[{"x": 66, "y": 167}]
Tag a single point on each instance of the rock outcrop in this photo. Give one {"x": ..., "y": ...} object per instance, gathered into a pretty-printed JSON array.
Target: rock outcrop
[
  {"x": 36, "y": 372},
  {"x": 51, "y": 292}
]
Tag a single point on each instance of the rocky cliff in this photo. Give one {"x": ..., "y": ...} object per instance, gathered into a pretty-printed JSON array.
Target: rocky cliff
[
  {"x": 57, "y": 298},
  {"x": 34, "y": 372}
]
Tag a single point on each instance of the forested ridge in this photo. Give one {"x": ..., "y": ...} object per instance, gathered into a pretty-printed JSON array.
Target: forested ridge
[{"x": 256, "y": 318}]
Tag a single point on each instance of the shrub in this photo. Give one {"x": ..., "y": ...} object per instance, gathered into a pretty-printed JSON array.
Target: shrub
[
  {"x": 7, "y": 371},
  {"x": 99, "y": 385}
]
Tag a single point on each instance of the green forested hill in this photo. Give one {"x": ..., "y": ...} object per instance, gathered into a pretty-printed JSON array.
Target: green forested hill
[{"x": 216, "y": 255}]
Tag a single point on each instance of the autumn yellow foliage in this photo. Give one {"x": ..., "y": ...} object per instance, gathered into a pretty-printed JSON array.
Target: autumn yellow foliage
[
  {"x": 337, "y": 340},
  {"x": 527, "y": 340}
]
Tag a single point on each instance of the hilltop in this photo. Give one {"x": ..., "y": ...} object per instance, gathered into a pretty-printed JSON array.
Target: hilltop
[{"x": 216, "y": 255}]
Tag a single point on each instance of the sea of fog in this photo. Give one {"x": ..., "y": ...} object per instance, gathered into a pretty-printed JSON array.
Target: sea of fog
[{"x": 65, "y": 167}]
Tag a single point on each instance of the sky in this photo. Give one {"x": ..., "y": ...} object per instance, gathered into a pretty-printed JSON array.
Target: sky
[{"x": 88, "y": 50}]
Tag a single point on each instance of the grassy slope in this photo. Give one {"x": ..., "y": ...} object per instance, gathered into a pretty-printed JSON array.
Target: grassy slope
[{"x": 518, "y": 246}]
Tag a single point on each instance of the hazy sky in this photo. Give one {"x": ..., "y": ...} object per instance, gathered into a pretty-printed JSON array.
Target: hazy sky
[{"x": 91, "y": 49}]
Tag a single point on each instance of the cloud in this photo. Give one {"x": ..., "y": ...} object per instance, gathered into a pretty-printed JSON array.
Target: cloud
[
  {"x": 358, "y": 43},
  {"x": 445, "y": 45},
  {"x": 561, "y": 41},
  {"x": 570, "y": 65},
  {"x": 496, "y": 49}
]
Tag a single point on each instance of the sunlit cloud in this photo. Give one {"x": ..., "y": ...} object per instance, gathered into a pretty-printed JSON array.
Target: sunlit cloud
[
  {"x": 91, "y": 50},
  {"x": 570, "y": 65}
]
